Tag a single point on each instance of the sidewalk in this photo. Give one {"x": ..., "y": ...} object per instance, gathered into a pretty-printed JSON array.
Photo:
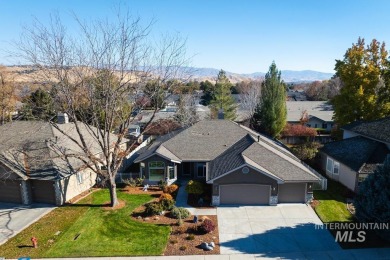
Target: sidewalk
[
  {"x": 374, "y": 253},
  {"x": 181, "y": 201}
]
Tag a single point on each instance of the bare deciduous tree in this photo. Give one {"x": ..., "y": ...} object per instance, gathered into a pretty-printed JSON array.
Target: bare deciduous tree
[
  {"x": 94, "y": 75},
  {"x": 250, "y": 96}
]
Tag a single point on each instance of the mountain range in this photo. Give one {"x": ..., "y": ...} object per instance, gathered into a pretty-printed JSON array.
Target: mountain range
[{"x": 210, "y": 74}]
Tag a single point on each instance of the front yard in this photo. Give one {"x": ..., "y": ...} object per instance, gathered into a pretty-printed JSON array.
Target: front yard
[
  {"x": 330, "y": 205},
  {"x": 88, "y": 229}
]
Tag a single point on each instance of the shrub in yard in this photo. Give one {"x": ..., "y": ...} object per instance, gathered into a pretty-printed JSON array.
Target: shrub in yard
[
  {"x": 167, "y": 204},
  {"x": 173, "y": 241},
  {"x": 170, "y": 189},
  {"x": 153, "y": 208},
  {"x": 130, "y": 182},
  {"x": 181, "y": 213},
  {"x": 195, "y": 187},
  {"x": 181, "y": 229},
  {"x": 139, "y": 181},
  {"x": 162, "y": 185},
  {"x": 183, "y": 248},
  {"x": 165, "y": 196},
  {"x": 190, "y": 237},
  {"x": 207, "y": 226}
]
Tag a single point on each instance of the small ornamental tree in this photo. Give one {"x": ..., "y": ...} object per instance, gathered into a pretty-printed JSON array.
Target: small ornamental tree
[
  {"x": 195, "y": 187},
  {"x": 298, "y": 130},
  {"x": 372, "y": 202}
]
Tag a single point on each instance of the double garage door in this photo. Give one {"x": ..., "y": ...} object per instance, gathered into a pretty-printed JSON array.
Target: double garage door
[
  {"x": 256, "y": 194},
  {"x": 10, "y": 191},
  {"x": 245, "y": 194}
]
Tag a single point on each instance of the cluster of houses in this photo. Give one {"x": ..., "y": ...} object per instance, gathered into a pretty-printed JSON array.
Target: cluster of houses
[{"x": 242, "y": 166}]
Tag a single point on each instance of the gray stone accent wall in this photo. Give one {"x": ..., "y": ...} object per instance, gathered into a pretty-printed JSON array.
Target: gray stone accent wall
[
  {"x": 215, "y": 201},
  {"x": 273, "y": 200},
  {"x": 309, "y": 197},
  {"x": 24, "y": 189}
]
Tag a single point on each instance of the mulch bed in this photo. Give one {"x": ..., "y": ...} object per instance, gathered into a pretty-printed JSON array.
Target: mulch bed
[
  {"x": 121, "y": 204},
  {"x": 178, "y": 244}
]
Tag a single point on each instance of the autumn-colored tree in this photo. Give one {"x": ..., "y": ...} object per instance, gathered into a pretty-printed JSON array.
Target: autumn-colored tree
[
  {"x": 271, "y": 113},
  {"x": 298, "y": 130},
  {"x": 7, "y": 96},
  {"x": 222, "y": 98},
  {"x": 365, "y": 75}
]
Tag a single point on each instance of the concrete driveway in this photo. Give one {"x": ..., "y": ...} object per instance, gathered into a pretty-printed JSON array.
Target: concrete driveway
[
  {"x": 272, "y": 230},
  {"x": 15, "y": 217}
]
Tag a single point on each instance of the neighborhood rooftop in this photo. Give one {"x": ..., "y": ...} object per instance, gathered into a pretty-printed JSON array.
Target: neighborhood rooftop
[
  {"x": 378, "y": 129},
  {"x": 320, "y": 109},
  {"x": 366, "y": 153}
]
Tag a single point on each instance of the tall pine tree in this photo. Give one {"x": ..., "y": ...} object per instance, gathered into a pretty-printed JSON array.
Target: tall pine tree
[
  {"x": 222, "y": 98},
  {"x": 271, "y": 113}
]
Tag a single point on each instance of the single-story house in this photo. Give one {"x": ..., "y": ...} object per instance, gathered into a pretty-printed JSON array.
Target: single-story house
[
  {"x": 242, "y": 166},
  {"x": 32, "y": 168},
  {"x": 318, "y": 114},
  {"x": 364, "y": 147}
]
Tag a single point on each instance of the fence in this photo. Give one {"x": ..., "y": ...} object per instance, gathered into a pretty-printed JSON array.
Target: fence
[
  {"x": 133, "y": 155},
  {"x": 125, "y": 176},
  {"x": 322, "y": 184}
]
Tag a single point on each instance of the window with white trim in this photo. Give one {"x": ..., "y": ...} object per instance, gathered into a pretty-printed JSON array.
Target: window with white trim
[
  {"x": 332, "y": 166},
  {"x": 156, "y": 171},
  {"x": 79, "y": 176},
  {"x": 171, "y": 172}
]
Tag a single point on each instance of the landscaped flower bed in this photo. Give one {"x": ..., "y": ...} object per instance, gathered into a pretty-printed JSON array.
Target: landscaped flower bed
[{"x": 186, "y": 236}]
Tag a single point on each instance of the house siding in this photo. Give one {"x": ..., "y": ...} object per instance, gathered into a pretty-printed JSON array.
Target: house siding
[
  {"x": 346, "y": 175},
  {"x": 158, "y": 158},
  {"x": 7, "y": 174},
  {"x": 70, "y": 187},
  {"x": 253, "y": 177}
]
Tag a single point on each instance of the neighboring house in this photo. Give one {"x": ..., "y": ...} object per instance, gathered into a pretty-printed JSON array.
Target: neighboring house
[
  {"x": 364, "y": 147},
  {"x": 32, "y": 168},
  {"x": 242, "y": 166},
  {"x": 296, "y": 95},
  {"x": 318, "y": 114}
]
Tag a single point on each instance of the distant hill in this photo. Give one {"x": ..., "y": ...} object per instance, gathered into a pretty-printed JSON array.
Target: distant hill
[
  {"x": 28, "y": 74},
  {"x": 210, "y": 74}
]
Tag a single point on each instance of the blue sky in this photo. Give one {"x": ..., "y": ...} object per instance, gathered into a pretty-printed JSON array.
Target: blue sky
[{"x": 238, "y": 36}]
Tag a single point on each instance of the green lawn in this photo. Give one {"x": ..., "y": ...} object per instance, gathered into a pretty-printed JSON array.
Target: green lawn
[
  {"x": 332, "y": 206},
  {"x": 99, "y": 232}
]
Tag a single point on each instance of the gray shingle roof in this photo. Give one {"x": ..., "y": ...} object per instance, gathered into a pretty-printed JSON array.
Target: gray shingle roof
[
  {"x": 30, "y": 148},
  {"x": 225, "y": 145},
  {"x": 230, "y": 159},
  {"x": 358, "y": 153},
  {"x": 320, "y": 109},
  {"x": 378, "y": 129},
  {"x": 205, "y": 140},
  {"x": 277, "y": 163}
]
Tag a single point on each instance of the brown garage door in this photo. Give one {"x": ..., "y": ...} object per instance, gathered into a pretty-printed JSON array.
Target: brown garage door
[
  {"x": 249, "y": 194},
  {"x": 292, "y": 193},
  {"x": 43, "y": 191},
  {"x": 10, "y": 191}
]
